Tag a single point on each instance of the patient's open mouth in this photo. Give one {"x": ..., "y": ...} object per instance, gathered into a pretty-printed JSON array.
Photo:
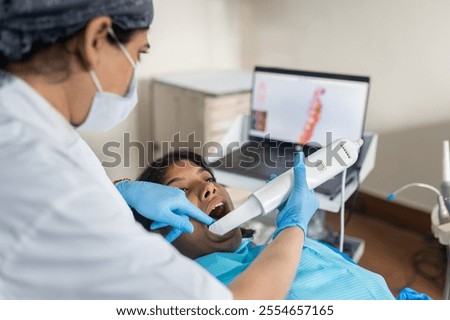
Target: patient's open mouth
[{"x": 219, "y": 211}]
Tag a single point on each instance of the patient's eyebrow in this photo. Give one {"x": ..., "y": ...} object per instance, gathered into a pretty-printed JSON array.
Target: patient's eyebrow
[
  {"x": 201, "y": 170},
  {"x": 176, "y": 179}
]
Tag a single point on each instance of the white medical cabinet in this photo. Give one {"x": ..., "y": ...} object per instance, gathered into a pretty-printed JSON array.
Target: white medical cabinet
[{"x": 203, "y": 104}]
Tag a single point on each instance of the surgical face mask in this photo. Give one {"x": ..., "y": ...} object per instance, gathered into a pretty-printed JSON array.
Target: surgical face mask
[{"x": 109, "y": 109}]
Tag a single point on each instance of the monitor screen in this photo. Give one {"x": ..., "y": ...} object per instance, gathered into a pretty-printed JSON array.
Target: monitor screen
[{"x": 302, "y": 107}]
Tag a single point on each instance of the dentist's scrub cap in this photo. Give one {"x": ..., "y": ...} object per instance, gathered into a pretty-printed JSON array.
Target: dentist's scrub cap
[{"x": 24, "y": 22}]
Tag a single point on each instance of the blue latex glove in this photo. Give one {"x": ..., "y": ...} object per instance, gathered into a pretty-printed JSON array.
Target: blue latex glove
[
  {"x": 164, "y": 205},
  {"x": 174, "y": 233},
  {"x": 301, "y": 204},
  {"x": 411, "y": 294}
]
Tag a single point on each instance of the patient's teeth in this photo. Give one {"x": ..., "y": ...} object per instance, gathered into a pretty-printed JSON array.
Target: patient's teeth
[{"x": 216, "y": 206}]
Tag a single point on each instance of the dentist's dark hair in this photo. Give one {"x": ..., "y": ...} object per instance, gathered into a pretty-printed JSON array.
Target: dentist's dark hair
[
  {"x": 54, "y": 58},
  {"x": 41, "y": 29}
]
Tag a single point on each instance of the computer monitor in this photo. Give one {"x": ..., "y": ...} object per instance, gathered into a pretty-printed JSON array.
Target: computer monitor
[{"x": 301, "y": 107}]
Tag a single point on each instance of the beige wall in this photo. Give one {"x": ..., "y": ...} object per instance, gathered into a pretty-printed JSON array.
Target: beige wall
[
  {"x": 409, "y": 155},
  {"x": 403, "y": 45}
]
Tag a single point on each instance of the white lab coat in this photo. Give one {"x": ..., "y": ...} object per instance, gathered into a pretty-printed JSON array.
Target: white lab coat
[{"x": 65, "y": 231}]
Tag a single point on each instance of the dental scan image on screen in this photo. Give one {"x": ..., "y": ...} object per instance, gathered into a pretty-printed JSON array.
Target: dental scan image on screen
[{"x": 302, "y": 109}]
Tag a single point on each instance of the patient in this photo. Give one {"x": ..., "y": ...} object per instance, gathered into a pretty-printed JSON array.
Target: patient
[{"x": 322, "y": 273}]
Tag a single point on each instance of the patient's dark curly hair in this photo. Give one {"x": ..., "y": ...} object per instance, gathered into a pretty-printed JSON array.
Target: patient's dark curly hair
[{"x": 157, "y": 169}]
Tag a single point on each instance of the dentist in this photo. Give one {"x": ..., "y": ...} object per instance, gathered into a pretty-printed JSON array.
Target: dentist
[{"x": 67, "y": 232}]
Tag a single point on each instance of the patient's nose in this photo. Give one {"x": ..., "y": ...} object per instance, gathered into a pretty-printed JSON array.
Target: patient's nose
[{"x": 208, "y": 190}]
